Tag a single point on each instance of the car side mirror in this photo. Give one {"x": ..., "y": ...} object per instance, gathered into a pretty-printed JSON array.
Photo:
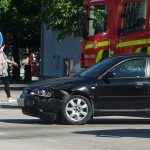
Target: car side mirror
[{"x": 108, "y": 75}]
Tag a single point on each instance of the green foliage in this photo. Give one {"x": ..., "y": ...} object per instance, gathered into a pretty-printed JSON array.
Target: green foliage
[
  {"x": 22, "y": 18},
  {"x": 99, "y": 16},
  {"x": 61, "y": 15},
  {"x": 25, "y": 17},
  {"x": 4, "y": 4}
]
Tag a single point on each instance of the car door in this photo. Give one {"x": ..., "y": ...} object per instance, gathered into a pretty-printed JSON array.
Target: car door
[
  {"x": 134, "y": 38},
  {"x": 124, "y": 87}
]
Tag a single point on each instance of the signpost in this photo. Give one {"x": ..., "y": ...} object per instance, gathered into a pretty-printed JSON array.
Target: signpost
[{"x": 1, "y": 39}]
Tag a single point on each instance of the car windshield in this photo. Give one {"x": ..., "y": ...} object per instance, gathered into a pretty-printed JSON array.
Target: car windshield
[{"x": 98, "y": 68}]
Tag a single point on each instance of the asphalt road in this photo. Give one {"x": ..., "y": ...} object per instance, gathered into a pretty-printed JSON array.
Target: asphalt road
[{"x": 20, "y": 132}]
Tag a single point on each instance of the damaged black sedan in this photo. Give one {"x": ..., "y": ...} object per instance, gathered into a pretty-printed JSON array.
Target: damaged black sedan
[{"x": 116, "y": 86}]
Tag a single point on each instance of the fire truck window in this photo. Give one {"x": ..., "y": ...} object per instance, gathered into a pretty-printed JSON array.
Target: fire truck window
[
  {"x": 135, "y": 16},
  {"x": 98, "y": 19}
]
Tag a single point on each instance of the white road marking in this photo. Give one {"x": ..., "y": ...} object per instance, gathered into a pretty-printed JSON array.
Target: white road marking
[{"x": 2, "y": 133}]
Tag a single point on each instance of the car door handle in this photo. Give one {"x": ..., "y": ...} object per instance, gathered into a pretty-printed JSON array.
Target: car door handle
[{"x": 139, "y": 83}]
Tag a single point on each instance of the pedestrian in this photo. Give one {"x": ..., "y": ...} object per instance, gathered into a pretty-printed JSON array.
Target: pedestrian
[{"x": 4, "y": 72}]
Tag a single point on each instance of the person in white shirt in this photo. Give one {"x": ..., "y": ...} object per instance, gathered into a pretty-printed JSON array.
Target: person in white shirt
[{"x": 4, "y": 72}]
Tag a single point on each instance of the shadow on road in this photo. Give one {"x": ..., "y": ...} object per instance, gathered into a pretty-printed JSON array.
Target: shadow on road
[
  {"x": 23, "y": 121},
  {"x": 97, "y": 121},
  {"x": 120, "y": 121},
  {"x": 117, "y": 133}
]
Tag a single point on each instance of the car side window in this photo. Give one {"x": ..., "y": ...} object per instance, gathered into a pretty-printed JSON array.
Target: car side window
[{"x": 130, "y": 68}]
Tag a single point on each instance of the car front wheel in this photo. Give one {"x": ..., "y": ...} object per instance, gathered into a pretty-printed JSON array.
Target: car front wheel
[{"x": 77, "y": 110}]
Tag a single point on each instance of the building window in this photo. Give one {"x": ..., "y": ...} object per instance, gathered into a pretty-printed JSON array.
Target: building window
[{"x": 68, "y": 64}]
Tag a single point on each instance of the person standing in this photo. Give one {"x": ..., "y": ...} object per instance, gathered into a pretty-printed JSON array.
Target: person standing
[{"x": 4, "y": 72}]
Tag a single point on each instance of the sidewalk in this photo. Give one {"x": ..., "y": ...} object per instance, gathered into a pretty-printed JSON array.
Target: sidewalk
[
  {"x": 16, "y": 89},
  {"x": 15, "y": 86},
  {"x": 18, "y": 85}
]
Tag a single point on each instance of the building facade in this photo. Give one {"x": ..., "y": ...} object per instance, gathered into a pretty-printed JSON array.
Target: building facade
[{"x": 57, "y": 58}]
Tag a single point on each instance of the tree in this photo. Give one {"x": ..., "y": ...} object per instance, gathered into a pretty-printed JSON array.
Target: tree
[
  {"x": 21, "y": 21},
  {"x": 20, "y": 24},
  {"x": 4, "y": 4},
  {"x": 61, "y": 15},
  {"x": 56, "y": 14}
]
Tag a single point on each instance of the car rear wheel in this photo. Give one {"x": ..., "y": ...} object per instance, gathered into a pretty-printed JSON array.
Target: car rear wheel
[{"x": 77, "y": 110}]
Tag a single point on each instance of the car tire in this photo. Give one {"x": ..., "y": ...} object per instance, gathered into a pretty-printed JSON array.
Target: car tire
[{"x": 77, "y": 110}]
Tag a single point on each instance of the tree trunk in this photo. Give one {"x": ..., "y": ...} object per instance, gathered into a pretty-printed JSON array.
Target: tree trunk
[{"x": 16, "y": 70}]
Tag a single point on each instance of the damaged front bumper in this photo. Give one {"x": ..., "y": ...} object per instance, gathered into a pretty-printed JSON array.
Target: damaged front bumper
[{"x": 42, "y": 107}]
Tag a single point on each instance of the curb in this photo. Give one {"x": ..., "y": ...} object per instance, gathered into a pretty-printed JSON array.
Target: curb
[
  {"x": 9, "y": 105},
  {"x": 15, "y": 87}
]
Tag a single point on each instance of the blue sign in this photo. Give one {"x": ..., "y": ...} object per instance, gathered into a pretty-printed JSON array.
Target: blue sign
[{"x": 1, "y": 39}]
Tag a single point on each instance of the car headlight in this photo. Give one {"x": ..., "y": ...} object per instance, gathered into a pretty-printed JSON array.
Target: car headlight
[
  {"x": 26, "y": 91},
  {"x": 41, "y": 92}
]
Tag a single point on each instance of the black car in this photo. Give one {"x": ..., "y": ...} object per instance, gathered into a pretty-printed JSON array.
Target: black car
[{"x": 115, "y": 86}]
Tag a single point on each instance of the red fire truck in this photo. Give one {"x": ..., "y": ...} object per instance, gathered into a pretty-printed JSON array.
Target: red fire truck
[{"x": 113, "y": 27}]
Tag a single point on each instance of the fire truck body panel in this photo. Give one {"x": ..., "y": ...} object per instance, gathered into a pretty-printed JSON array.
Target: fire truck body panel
[{"x": 125, "y": 29}]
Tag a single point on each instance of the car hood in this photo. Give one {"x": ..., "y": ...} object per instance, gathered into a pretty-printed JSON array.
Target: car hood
[{"x": 56, "y": 82}]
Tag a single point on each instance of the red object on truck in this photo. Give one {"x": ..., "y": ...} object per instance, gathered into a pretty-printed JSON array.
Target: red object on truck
[{"x": 113, "y": 27}]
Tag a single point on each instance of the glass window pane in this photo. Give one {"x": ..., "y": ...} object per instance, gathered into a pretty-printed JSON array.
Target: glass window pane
[
  {"x": 135, "y": 16},
  {"x": 98, "y": 19},
  {"x": 132, "y": 68}
]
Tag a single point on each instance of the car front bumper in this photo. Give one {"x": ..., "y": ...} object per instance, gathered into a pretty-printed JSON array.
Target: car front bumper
[
  {"x": 21, "y": 102},
  {"x": 44, "y": 108}
]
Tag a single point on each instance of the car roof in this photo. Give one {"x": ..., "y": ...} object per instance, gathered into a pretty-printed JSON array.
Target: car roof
[{"x": 135, "y": 55}]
